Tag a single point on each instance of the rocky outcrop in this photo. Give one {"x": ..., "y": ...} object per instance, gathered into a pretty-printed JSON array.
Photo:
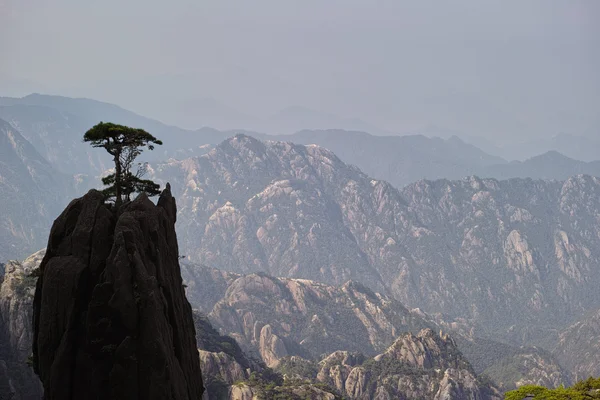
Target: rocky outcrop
[
  {"x": 422, "y": 366},
  {"x": 111, "y": 319},
  {"x": 219, "y": 372},
  {"x": 17, "y": 286},
  {"x": 229, "y": 374},
  {"x": 271, "y": 347},
  {"x": 223, "y": 366},
  {"x": 426, "y": 350},
  {"x": 308, "y": 318}
]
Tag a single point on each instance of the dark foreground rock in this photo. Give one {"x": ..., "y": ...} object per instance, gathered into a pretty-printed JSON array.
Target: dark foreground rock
[{"x": 111, "y": 320}]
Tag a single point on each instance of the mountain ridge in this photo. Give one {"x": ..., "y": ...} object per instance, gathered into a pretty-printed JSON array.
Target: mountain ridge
[{"x": 255, "y": 192}]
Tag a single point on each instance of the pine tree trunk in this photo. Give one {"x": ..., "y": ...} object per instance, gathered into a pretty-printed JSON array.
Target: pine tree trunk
[{"x": 118, "y": 178}]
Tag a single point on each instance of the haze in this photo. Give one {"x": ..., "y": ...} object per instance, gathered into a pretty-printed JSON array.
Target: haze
[{"x": 500, "y": 70}]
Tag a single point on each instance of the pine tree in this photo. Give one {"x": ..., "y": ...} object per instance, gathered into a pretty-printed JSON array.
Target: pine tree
[{"x": 124, "y": 144}]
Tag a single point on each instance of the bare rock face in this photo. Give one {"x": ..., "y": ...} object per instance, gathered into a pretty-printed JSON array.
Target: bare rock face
[
  {"x": 309, "y": 318},
  {"x": 222, "y": 365},
  {"x": 271, "y": 347},
  {"x": 111, "y": 320},
  {"x": 17, "y": 380},
  {"x": 422, "y": 366}
]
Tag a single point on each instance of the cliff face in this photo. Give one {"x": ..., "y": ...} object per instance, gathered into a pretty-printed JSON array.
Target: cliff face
[
  {"x": 17, "y": 380},
  {"x": 111, "y": 320}
]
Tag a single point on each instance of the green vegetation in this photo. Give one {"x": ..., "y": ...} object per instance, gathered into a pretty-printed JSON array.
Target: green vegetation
[
  {"x": 290, "y": 389},
  {"x": 296, "y": 367},
  {"x": 484, "y": 353},
  {"x": 507, "y": 371},
  {"x": 583, "y": 390},
  {"x": 124, "y": 144}
]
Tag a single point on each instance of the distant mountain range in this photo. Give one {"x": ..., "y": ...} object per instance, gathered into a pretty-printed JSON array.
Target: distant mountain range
[
  {"x": 296, "y": 118},
  {"x": 577, "y": 147},
  {"x": 489, "y": 249},
  {"x": 402, "y": 160},
  {"x": 32, "y": 193},
  {"x": 476, "y": 248},
  {"x": 55, "y": 126}
]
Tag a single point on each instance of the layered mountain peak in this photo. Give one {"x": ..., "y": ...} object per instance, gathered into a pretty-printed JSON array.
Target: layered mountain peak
[
  {"x": 427, "y": 350},
  {"x": 249, "y": 157}
]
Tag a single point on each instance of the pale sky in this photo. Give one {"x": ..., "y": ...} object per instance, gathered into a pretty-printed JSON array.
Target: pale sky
[{"x": 497, "y": 69}]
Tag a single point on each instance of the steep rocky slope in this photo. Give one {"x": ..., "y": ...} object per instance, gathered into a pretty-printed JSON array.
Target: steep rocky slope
[
  {"x": 514, "y": 258},
  {"x": 229, "y": 374},
  {"x": 111, "y": 319},
  {"x": 309, "y": 319},
  {"x": 579, "y": 346},
  {"x": 17, "y": 286},
  {"x": 32, "y": 194},
  {"x": 426, "y": 365},
  {"x": 222, "y": 361},
  {"x": 251, "y": 207}
]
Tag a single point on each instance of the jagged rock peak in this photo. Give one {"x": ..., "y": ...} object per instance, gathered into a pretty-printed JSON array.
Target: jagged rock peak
[
  {"x": 426, "y": 350},
  {"x": 111, "y": 320}
]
